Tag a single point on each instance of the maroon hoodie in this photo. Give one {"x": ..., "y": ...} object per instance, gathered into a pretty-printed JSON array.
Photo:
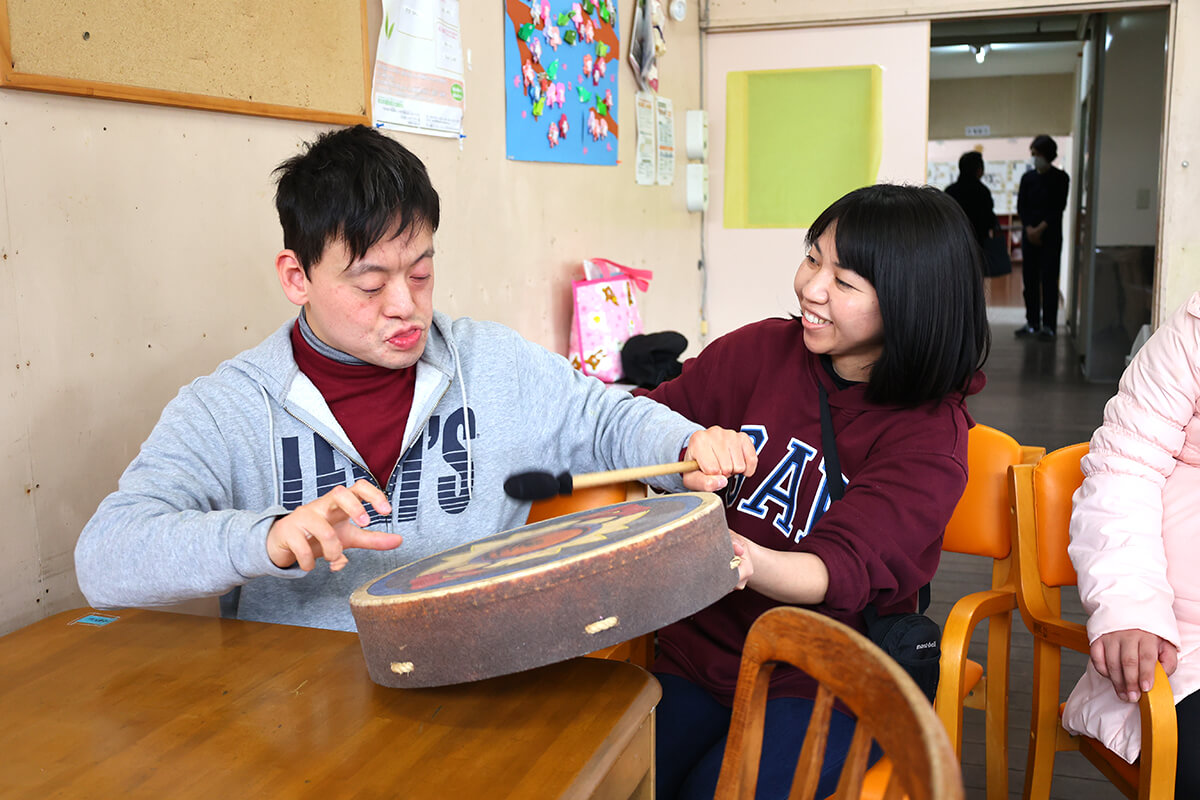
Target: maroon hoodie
[{"x": 905, "y": 470}]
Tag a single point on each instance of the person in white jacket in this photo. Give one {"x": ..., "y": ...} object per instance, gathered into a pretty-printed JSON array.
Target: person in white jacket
[{"x": 1135, "y": 546}]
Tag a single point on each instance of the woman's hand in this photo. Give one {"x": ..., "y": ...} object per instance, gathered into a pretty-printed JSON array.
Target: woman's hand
[
  {"x": 741, "y": 552},
  {"x": 1127, "y": 658}
]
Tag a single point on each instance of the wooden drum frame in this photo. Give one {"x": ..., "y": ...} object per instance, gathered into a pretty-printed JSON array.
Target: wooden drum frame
[{"x": 545, "y": 592}]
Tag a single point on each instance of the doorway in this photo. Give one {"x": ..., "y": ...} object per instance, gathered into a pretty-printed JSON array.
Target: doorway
[
  {"x": 994, "y": 85},
  {"x": 1095, "y": 83}
]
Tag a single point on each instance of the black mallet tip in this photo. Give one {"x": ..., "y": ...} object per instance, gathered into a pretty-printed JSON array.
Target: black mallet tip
[{"x": 537, "y": 485}]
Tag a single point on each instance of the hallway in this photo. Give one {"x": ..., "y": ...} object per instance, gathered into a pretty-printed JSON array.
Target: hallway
[{"x": 1034, "y": 392}]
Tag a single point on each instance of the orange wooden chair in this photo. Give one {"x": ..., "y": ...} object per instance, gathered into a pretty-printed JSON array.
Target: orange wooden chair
[
  {"x": 981, "y": 526},
  {"x": 640, "y": 649},
  {"x": 889, "y": 706},
  {"x": 1041, "y": 501}
]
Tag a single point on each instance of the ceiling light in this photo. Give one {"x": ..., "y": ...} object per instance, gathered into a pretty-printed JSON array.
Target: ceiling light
[{"x": 981, "y": 51}]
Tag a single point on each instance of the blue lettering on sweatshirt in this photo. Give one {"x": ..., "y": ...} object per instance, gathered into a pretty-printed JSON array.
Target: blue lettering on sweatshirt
[
  {"x": 453, "y": 490},
  {"x": 758, "y": 435},
  {"x": 329, "y": 475},
  {"x": 780, "y": 488},
  {"x": 292, "y": 494},
  {"x": 408, "y": 474}
]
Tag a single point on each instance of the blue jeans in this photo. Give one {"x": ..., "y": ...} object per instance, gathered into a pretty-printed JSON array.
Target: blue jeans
[{"x": 690, "y": 740}]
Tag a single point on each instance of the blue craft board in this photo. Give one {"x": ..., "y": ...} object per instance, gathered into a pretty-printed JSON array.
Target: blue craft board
[{"x": 527, "y": 137}]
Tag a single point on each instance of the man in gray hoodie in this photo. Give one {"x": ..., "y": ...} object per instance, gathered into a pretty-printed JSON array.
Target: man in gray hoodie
[{"x": 371, "y": 423}]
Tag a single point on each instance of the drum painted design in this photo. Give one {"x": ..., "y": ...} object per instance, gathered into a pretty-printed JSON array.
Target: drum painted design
[{"x": 545, "y": 592}]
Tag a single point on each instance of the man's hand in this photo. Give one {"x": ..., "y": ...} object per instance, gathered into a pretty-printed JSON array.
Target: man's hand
[
  {"x": 741, "y": 550},
  {"x": 1034, "y": 233},
  {"x": 719, "y": 453},
  {"x": 328, "y": 526},
  {"x": 1127, "y": 658}
]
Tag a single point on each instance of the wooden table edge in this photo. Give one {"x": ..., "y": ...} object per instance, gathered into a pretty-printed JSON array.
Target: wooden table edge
[{"x": 623, "y": 735}]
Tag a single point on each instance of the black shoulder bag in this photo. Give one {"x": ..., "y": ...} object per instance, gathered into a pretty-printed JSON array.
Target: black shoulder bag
[{"x": 913, "y": 639}]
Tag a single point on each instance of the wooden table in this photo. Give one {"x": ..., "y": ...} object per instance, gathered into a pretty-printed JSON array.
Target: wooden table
[{"x": 167, "y": 705}]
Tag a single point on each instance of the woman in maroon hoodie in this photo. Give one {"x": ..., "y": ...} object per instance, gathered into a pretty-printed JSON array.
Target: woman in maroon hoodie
[{"x": 892, "y": 329}]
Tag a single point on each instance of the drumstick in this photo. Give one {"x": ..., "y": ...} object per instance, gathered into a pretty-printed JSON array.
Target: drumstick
[{"x": 544, "y": 485}]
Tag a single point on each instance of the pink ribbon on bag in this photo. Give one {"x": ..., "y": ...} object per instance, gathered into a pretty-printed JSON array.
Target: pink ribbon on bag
[{"x": 611, "y": 269}]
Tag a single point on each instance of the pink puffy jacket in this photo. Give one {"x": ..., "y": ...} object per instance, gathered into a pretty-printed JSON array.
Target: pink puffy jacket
[{"x": 1135, "y": 526}]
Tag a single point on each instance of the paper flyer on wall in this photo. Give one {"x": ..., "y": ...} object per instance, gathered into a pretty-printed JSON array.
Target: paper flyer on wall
[
  {"x": 665, "y": 126},
  {"x": 645, "y": 163},
  {"x": 418, "y": 85}
]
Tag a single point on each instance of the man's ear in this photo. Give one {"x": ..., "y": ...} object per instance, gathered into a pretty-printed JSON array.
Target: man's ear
[{"x": 292, "y": 277}]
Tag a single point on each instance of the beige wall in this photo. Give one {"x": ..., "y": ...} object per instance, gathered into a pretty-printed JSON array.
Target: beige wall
[
  {"x": 1012, "y": 105},
  {"x": 136, "y": 253}
]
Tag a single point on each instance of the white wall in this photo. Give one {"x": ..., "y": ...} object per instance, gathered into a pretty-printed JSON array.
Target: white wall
[{"x": 1130, "y": 131}]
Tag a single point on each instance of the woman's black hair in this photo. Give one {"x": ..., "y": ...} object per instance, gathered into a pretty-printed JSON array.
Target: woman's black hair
[
  {"x": 969, "y": 164},
  {"x": 354, "y": 184},
  {"x": 915, "y": 246}
]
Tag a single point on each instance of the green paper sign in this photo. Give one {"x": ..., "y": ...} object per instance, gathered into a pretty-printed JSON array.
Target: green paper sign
[{"x": 783, "y": 167}]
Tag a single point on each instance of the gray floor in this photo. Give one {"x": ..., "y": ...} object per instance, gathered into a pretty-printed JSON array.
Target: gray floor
[{"x": 1035, "y": 393}]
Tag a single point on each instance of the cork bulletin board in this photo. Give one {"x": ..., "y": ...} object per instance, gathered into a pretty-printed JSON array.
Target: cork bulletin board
[{"x": 301, "y": 59}]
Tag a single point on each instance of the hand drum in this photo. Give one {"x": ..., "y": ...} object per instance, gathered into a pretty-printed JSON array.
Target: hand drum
[{"x": 545, "y": 592}]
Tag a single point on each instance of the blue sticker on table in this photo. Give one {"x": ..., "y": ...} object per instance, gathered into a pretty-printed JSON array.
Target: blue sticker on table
[{"x": 94, "y": 619}]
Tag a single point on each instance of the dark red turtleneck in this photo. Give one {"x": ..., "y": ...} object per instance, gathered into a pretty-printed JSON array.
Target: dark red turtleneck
[{"x": 370, "y": 403}]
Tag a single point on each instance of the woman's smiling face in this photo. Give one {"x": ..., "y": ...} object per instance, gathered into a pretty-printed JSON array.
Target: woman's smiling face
[{"x": 839, "y": 310}]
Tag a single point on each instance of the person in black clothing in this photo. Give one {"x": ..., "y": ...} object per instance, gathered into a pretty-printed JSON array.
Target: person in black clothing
[
  {"x": 1040, "y": 204},
  {"x": 974, "y": 196}
]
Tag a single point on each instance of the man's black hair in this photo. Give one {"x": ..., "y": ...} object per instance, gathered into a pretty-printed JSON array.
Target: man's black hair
[{"x": 355, "y": 184}]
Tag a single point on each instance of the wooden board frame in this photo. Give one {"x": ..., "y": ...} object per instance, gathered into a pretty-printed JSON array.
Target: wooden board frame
[{"x": 83, "y": 86}]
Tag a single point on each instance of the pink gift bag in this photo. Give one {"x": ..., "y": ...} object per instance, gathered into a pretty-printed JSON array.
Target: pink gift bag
[{"x": 605, "y": 316}]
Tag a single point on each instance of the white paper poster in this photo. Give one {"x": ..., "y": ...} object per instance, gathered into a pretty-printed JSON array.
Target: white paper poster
[
  {"x": 418, "y": 85},
  {"x": 666, "y": 142},
  {"x": 645, "y": 163}
]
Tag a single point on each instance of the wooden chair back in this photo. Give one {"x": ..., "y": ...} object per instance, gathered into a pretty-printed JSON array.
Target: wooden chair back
[
  {"x": 583, "y": 499},
  {"x": 1041, "y": 498},
  {"x": 848, "y": 667}
]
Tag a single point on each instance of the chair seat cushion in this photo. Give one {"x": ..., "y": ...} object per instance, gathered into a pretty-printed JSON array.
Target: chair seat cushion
[
  {"x": 1088, "y": 745},
  {"x": 971, "y": 676}
]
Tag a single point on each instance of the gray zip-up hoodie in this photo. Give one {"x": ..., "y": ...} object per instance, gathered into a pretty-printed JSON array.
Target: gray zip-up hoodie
[{"x": 239, "y": 448}]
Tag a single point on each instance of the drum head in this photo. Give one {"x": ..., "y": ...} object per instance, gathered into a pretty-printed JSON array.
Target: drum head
[{"x": 545, "y": 592}]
